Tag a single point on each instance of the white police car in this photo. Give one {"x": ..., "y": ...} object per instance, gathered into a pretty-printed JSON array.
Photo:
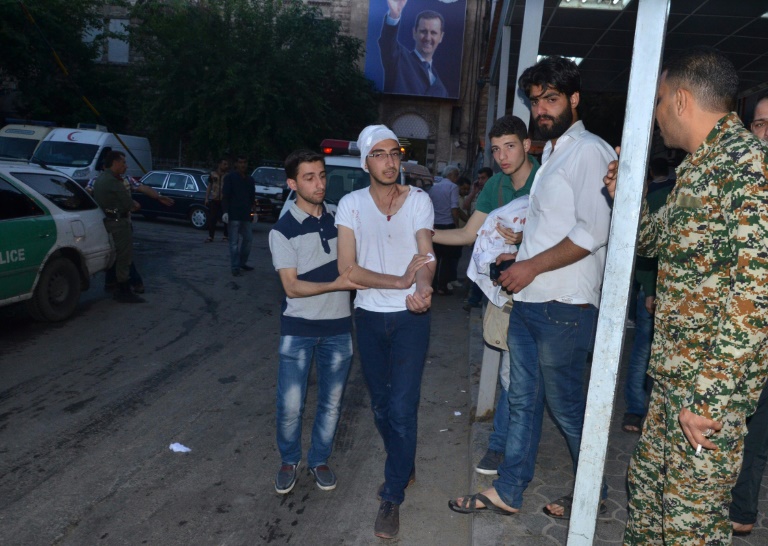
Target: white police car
[{"x": 52, "y": 240}]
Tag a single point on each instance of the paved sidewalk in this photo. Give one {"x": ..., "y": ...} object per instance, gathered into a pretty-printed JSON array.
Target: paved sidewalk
[{"x": 553, "y": 478}]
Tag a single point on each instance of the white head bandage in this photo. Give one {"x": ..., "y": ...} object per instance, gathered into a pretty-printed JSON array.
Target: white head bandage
[{"x": 369, "y": 137}]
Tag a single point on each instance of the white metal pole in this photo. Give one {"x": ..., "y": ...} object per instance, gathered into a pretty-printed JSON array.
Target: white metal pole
[
  {"x": 636, "y": 140},
  {"x": 529, "y": 49}
]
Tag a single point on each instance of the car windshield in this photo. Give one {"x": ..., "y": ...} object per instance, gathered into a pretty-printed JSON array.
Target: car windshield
[
  {"x": 270, "y": 176},
  {"x": 60, "y": 190},
  {"x": 17, "y": 148},
  {"x": 66, "y": 154},
  {"x": 339, "y": 181}
]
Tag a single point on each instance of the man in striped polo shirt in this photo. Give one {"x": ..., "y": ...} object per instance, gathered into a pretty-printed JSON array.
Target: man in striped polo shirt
[{"x": 315, "y": 321}]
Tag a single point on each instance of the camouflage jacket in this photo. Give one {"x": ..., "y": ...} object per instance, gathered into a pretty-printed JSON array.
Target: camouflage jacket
[{"x": 711, "y": 238}]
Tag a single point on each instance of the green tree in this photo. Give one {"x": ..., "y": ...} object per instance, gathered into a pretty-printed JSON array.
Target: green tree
[
  {"x": 44, "y": 91},
  {"x": 260, "y": 77}
]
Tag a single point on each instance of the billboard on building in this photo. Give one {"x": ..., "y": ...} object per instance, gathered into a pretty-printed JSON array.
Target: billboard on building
[{"x": 418, "y": 53}]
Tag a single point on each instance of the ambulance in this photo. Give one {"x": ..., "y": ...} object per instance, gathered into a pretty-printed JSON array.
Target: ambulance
[
  {"x": 19, "y": 140},
  {"x": 79, "y": 153},
  {"x": 52, "y": 241}
]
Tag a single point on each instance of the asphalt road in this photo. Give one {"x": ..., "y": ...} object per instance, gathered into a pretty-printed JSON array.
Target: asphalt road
[{"x": 89, "y": 407}]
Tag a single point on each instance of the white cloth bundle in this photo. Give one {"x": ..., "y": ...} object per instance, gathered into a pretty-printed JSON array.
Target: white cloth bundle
[{"x": 490, "y": 244}]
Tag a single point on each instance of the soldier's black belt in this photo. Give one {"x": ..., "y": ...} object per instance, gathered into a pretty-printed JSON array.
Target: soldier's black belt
[{"x": 116, "y": 215}]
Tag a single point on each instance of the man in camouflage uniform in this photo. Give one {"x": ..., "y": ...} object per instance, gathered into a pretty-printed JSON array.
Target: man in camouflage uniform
[{"x": 709, "y": 351}]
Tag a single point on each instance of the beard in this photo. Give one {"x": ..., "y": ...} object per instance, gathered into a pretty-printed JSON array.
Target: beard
[{"x": 559, "y": 125}]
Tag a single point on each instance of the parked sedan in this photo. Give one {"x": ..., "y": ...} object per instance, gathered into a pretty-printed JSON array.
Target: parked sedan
[{"x": 187, "y": 188}]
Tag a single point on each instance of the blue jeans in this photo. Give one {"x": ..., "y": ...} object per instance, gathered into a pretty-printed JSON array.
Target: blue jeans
[
  {"x": 333, "y": 355},
  {"x": 393, "y": 348},
  {"x": 635, "y": 392},
  {"x": 238, "y": 254},
  {"x": 548, "y": 348}
]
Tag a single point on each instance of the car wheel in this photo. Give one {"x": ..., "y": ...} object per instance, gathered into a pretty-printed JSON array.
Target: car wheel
[
  {"x": 198, "y": 218},
  {"x": 57, "y": 292}
]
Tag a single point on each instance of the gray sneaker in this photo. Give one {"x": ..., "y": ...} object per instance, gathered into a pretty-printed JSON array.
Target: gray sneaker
[
  {"x": 490, "y": 463},
  {"x": 387, "y": 520},
  {"x": 324, "y": 477},
  {"x": 286, "y": 478}
]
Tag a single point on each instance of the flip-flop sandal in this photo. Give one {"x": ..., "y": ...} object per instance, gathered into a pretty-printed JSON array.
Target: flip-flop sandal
[
  {"x": 742, "y": 532},
  {"x": 632, "y": 420},
  {"x": 469, "y": 506},
  {"x": 567, "y": 503}
]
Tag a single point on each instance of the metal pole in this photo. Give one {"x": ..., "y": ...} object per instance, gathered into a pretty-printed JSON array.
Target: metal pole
[
  {"x": 636, "y": 140},
  {"x": 529, "y": 50},
  {"x": 506, "y": 44},
  {"x": 489, "y": 119}
]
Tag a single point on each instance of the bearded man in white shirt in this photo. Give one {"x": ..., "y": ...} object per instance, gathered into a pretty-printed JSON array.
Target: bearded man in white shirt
[{"x": 556, "y": 281}]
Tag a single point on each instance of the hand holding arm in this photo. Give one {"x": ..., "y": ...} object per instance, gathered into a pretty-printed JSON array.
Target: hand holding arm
[{"x": 421, "y": 300}]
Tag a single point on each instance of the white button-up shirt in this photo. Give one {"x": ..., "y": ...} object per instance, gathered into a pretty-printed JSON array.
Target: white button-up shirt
[{"x": 568, "y": 199}]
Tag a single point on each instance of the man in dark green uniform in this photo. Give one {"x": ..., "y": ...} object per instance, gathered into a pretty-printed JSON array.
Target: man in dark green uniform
[{"x": 115, "y": 200}]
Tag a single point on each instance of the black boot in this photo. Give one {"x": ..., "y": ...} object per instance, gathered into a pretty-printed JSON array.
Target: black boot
[{"x": 123, "y": 294}]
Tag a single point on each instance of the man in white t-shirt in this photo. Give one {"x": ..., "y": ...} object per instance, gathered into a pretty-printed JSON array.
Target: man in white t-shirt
[{"x": 385, "y": 235}]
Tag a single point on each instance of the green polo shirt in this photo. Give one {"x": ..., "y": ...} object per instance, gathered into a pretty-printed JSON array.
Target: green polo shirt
[{"x": 488, "y": 199}]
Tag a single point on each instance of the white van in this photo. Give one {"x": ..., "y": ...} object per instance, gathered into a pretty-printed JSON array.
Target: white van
[
  {"x": 18, "y": 141},
  {"x": 78, "y": 153}
]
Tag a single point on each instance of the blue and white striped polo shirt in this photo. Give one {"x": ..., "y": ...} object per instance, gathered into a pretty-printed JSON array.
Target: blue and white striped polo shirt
[{"x": 308, "y": 244}]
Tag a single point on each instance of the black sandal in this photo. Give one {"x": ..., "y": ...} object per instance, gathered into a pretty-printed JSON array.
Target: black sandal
[
  {"x": 468, "y": 505},
  {"x": 632, "y": 423}
]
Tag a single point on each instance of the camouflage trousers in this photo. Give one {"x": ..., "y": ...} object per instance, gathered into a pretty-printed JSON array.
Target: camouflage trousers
[{"x": 675, "y": 496}]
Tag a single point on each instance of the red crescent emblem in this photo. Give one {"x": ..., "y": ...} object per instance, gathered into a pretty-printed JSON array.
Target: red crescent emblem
[{"x": 69, "y": 136}]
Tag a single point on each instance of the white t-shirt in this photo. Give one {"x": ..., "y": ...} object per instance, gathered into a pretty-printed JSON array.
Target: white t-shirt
[
  {"x": 568, "y": 199},
  {"x": 382, "y": 245}
]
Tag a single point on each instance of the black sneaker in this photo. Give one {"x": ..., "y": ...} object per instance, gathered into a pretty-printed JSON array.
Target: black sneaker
[
  {"x": 286, "y": 478},
  {"x": 324, "y": 477},
  {"x": 387, "y": 520},
  {"x": 246, "y": 268},
  {"x": 490, "y": 463},
  {"x": 236, "y": 273}
]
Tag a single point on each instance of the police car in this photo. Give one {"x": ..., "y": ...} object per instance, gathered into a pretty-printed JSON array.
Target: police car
[{"x": 52, "y": 240}]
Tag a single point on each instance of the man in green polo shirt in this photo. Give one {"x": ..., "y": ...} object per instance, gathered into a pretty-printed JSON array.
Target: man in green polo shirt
[{"x": 509, "y": 146}]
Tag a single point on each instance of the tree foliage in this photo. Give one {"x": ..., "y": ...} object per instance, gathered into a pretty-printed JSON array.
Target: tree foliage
[
  {"x": 44, "y": 91},
  {"x": 259, "y": 77}
]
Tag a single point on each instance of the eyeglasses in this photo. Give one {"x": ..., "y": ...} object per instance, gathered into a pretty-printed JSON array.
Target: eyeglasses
[
  {"x": 759, "y": 125},
  {"x": 382, "y": 156}
]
